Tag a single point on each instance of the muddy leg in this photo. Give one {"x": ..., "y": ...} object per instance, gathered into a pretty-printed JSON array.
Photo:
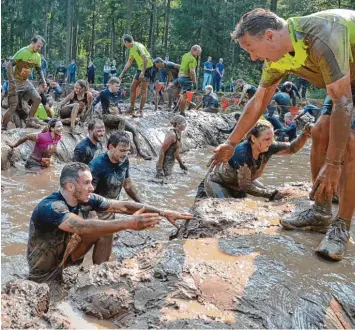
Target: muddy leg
[
  {"x": 74, "y": 115},
  {"x": 83, "y": 247},
  {"x": 131, "y": 128},
  {"x": 182, "y": 103},
  {"x": 143, "y": 95},
  {"x": 13, "y": 101},
  {"x": 134, "y": 86},
  {"x": 102, "y": 249}
]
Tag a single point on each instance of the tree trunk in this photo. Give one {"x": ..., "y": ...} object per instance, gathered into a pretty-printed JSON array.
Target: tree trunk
[
  {"x": 92, "y": 51},
  {"x": 113, "y": 35},
  {"x": 48, "y": 9},
  {"x": 273, "y": 6},
  {"x": 74, "y": 40},
  {"x": 50, "y": 34},
  {"x": 167, "y": 25},
  {"x": 129, "y": 4},
  {"x": 69, "y": 30},
  {"x": 153, "y": 26}
]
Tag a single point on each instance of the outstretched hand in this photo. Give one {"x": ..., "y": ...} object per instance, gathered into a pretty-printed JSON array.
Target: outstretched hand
[
  {"x": 223, "y": 153},
  {"x": 141, "y": 220},
  {"x": 172, "y": 216}
]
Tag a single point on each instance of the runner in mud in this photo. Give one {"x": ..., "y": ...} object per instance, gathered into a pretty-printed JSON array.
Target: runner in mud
[
  {"x": 86, "y": 150},
  {"x": 187, "y": 76},
  {"x": 64, "y": 213},
  {"x": 209, "y": 101},
  {"x": 283, "y": 102},
  {"x": 302, "y": 46},
  {"x": 110, "y": 173},
  {"x": 109, "y": 98},
  {"x": 138, "y": 53},
  {"x": 238, "y": 177},
  {"x": 45, "y": 145},
  {"x": 291, "y": 89},
  {"x": 19, "y": 69},
  {"x": 79, "y": 102},
  {"x": 247, "y": 90},
  {"x": 170, "y": 149}
]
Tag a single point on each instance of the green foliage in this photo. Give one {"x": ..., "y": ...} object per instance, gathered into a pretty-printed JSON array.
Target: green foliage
[{"x": 94, "y": 28}]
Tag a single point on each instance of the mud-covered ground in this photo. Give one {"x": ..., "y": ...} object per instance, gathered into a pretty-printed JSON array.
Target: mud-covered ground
[{"x": 231, "y": 267}]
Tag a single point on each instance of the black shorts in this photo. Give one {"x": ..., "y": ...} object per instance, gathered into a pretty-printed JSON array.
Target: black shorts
[
  {"x": 327, "y": 107},
  {"x": 147, "y": 74}
]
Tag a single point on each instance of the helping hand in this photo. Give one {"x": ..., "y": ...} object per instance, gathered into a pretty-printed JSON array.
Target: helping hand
[{"x": 172, "y": 216}]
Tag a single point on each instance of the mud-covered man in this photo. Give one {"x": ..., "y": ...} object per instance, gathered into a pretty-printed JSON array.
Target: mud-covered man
[
  {"x": 91, "y": 146},
  {"x": 140, "y": 54},
  {"x": 52, "y": 244},
  {"x": 110, "y": 173},
  {"x": 19, "y": 69},
  {"x": 319, "y": 48},
  {"x": 111, "y": 114}
]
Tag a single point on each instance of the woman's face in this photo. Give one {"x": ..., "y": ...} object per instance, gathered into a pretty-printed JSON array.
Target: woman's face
[
  {"x": 77, "y": 89},
  {"x": 264, "y": 141},
  {"x": 58, "y": 128}
]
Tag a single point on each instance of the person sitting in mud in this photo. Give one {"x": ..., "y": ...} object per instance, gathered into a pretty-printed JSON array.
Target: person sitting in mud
[
  {"x": 54, "y": 87},
  {"x": 170, "y": 149},
  {"x": 45, "y": 145},
  {"x": 209, "y": 101},
  {"x": 283, "y": 102},
  {"x": 19, "y": 69},
  {"x": 187, "y": 77},
  {"x": 230, "y": 130},
  {"x": 291, "y": 89},
  {"x": 311, "y": 109},
  {"x": 79, "y": 102},
  {"x": 61, "y": 234},
  {"x": 110, "y": 172},
  {"x": 247, "y": 90},
  {"x": 238, "y": 177},
  {"x": 86, "y": 150},
  {"x": 109, "y": 98},
  {"x": 289, "y": 132},
  {"x": 44, "y": 111}
]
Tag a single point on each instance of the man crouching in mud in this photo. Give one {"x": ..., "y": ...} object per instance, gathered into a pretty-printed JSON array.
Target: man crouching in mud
[
  {"x": 319, "y": 48},
  {"x": 60, "y": 233}
]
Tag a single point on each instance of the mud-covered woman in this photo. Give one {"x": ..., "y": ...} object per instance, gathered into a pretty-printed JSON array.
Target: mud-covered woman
[
  {"x": 170, "y": 149},
  {"x": 45, "y": 145},
  {"x": 238, "y": 177}
]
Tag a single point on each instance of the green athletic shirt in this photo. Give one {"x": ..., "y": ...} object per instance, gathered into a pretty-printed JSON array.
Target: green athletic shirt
[
  {"x": 188, "y": 62},
  {"x": 25, "y": 62},
  {"x": 137, "y": 51},
  {"x": 324, "y": 49}
]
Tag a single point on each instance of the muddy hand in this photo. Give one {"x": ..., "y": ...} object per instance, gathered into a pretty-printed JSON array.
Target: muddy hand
[
  {"x": 172, "y": 216},
  {"x": 141, "y": 220},
  {"x": 326, "y": 184},
  {"x": 223, "y": 153}
]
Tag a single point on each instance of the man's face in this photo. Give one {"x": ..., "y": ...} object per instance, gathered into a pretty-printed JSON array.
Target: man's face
[
  {"x": 209, "y": 59},
  {"x": 196, "y": 52},
  {"x": 221, "y": 60},
  {"x": 114, "y": 88},
  {"x": 58, "y": 128},
  {"x": 128, "y": 44},
  {"x": 98, "y": 133},
  {"x": 83, "y": 187},
  {"x": 262, "y": 48},
  {"x": 120, "y": 152},
  {"x": 159, "y": 65},
  {"x": 37, "y": 46}
]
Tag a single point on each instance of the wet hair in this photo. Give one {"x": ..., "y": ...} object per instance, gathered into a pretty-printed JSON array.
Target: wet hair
[
  {"x": 37, "y": 37},
  {"x": 118, "y": 138},
  {"x": 255, "y": 23},
  {"x": 114, "y": 80},
  {"x": 158, "y": 60},
  {"x": 93, "y": 122},
  {"x": 178, "y": 119},
  {"x": 52, "y": 122},
  {"x": 70, "y": 173},
  {"x": 83, "y": 84},
  {"x": 261, "y": 126},
  {"x": 128, "y": 38}
]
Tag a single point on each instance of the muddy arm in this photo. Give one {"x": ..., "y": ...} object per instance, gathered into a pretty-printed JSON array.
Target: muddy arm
[
  {"x": 10, "y": 69},
  {"x": 31, "y": 137},
  {"x": 169, "y": 140},
  {"x": 131, "y": 190},
  {"x": 126, "y": 67}
]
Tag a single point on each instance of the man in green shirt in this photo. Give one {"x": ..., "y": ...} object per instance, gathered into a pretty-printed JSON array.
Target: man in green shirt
[
  {"x": 19, "y": 69},
  {"x": 187, "y": 75},
  {"x": 140, "y": 54},
  {"x": 320, "y": 48}
]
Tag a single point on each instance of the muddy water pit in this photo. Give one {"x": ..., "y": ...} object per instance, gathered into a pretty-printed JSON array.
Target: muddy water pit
[{"x": 242, "y": 272}]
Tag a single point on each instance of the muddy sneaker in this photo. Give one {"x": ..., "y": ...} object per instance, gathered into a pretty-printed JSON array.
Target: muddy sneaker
[
  {"x": 31, "y": 122},
  {"x": 74, "y": 130},
  {"x": 138, "y": 114},
  {"x": 334, "y": 242},
  {"x": 314, "y": 219},
  {"x": 183, "y": 114},
  {"x": 145, "y": 156}
]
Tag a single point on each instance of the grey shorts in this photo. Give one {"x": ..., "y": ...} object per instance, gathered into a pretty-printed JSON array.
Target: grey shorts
[
  {"x": 25, "y": 90},
  {"x": 114, "y": 121}
]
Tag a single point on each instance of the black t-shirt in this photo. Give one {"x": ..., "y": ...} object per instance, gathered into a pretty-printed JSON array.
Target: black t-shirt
[
  {"x": 108, "y": 100},
  {"x": 47, "y": 243},
  {"x": 86, "y": 151}
]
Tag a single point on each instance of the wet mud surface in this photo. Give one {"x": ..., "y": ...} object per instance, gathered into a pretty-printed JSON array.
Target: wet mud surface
[{"x": 232, "y": 266}]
